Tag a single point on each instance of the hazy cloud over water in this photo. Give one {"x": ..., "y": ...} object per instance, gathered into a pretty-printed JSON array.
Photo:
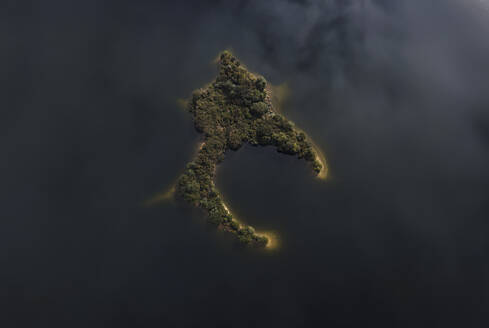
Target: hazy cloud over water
[{"x": 396, "y": 92}]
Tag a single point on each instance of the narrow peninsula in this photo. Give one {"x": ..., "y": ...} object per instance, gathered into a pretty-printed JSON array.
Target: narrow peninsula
[{"x": 234, "y": 109}]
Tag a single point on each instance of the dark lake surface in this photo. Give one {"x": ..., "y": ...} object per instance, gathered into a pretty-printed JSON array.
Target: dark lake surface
[{"x": 397, "y": 236}]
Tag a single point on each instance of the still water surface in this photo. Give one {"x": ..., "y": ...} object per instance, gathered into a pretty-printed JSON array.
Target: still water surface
[{"x": 394, "y": 237}]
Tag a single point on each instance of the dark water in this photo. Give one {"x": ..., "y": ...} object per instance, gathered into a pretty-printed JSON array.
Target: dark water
[{"x": 396, "y": 96}]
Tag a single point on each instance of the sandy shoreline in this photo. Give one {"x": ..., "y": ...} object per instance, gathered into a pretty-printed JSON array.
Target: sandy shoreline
[{"x": 276, "y": 96}]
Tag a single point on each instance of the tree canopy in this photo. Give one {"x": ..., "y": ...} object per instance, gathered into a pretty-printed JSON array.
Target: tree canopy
[{"x": 235, "y": 109}]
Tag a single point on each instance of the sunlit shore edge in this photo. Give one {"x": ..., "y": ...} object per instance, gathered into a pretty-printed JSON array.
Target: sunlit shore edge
[
  {"x": 161, "y": 197},
  {"x": 272, "y": 237},
  {"x": 323, "y": 174},
  {"x": 170, "y": 193},
  {"x": 273, "y": 241},
  {"x": 278, "y": 95}
]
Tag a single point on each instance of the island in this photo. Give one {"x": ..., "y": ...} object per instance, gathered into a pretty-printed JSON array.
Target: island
[{"x": 234, "y": 109}]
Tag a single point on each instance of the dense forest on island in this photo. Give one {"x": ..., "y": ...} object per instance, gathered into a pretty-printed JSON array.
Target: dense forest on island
[{"x": 236, "y": 108}]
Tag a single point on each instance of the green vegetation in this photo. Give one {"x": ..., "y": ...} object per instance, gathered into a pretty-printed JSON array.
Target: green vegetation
[{"x": 234, "y": 109}]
